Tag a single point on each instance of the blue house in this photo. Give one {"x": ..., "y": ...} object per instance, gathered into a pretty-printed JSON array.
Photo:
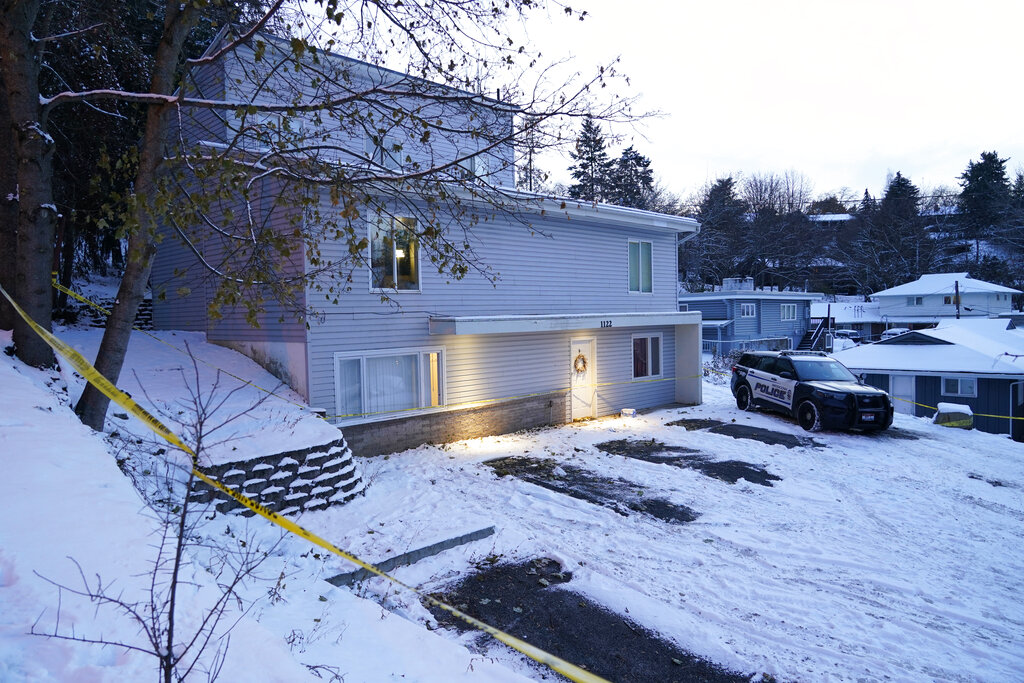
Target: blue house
[
  {"x": 978, "y": 362},
  {"x": 581, "y": 321},
  {"x": 738, "y": 317}
]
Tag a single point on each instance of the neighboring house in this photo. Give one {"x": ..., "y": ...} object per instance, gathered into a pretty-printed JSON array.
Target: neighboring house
[
  {"x": 973, "y": 361},
  {"x": 862, "y": 316},
  {"x": 919, "y": 304},
  {"x": 582, "y": 321},
  {"x": 740, "y": 317},
  {"x": 933, "y": 297}
]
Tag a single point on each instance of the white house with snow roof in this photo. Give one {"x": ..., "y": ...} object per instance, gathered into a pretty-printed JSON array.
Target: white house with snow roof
[
  {"x": 978, "y": 362},
  {"x": 934, "y": 296}
]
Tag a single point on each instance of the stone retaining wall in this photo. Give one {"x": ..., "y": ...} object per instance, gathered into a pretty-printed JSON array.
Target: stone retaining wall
[
  {"x": 306, "y": 479},
  {"x": 399, "y": 434}
]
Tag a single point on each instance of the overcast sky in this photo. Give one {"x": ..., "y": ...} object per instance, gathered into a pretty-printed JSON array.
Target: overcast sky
[{"x": 843, "y": 92}]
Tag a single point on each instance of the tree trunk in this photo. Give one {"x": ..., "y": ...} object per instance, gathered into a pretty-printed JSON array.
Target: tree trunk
[
  {"x": 8, "y": 208},
  {"x": 33, "y": 150},
  {"x": 92, "y": 406}
]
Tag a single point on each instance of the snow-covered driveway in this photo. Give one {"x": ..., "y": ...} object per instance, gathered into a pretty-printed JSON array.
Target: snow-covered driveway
[{"x": 894, "y": 556}]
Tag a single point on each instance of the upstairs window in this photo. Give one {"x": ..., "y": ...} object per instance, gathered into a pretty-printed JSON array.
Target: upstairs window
[
  {"x": 748, "y": 310},
  {"x": 959, "y": 386},
  {"x": 950, "y": 300},
  {"x": 474, "y": 168},
  {"x": 915, "y": 301},
  {"x": 646, "y": 357},
  {"x": 788, "y": 311},
  {"x": 384, "y": 152},
  {"x": 640, "y": 278},
  {"x": 394, "y": 255}
]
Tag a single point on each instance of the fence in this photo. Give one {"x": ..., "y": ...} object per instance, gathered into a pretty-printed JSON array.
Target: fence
[{"x": 723, "y": 348}]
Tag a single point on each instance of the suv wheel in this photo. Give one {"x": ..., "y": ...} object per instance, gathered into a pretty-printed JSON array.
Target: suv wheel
[
  {"x": 743, "y": 398},
  {"x": 808, "y": 417}
]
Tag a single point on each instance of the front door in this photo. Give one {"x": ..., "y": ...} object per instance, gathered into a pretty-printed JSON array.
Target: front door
[
  {"x": 583, "y": 383},
  {"x": 903, "y": 394}
]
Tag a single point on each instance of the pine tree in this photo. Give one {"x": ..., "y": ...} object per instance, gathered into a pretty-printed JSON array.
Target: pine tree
[
  {"x": 986, "y": 193},
  {"x": 592, "y": 170},
  {"x": 632, "y": 180}
]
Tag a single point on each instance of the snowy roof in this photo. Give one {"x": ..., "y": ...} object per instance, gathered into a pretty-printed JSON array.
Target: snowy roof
[
  {"x": 944, "y": 283},
  {"x": 829, "y": 217},
  {"x": 978, "y": 346},
  {"x": 748, "y": 294},
  {"x": 847, "y": 311}
]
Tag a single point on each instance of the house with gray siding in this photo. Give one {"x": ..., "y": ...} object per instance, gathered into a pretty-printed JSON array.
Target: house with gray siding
[
  {"x": 738, "y": 317},
  {"x": 978, "y": 362},
  {"x": 571, "y": 315}
]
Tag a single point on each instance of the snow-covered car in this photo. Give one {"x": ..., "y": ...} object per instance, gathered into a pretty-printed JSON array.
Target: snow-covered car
[
  {"x": 852, "y": 335},
  {"x": 894, "y": 332},
  {"x": 817, "y": 390}
]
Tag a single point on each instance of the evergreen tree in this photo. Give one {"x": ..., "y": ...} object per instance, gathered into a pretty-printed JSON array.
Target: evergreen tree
[
  {"x": 592, "y": 170},
  {"x": 986, "y": 202},
  {"x": 986, "y": 194},
  {"x": 632, "y": 180},
  {"x": 714, "y": 253},
  {"x": 901, "y": 200}
]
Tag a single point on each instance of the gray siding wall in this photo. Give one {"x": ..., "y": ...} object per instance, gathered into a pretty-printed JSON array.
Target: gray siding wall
[
  {"x": 746, "y": 328},
  {"x": 993, "y": 399},
  {"x": 711, "y": 310},
  {"x": 183, "y": 288},
  {"x": 878, "y": 381},
  {"x": 501, "y": 366},
  {"x": 562, "y": 267},
  {"x": 379, "y": 92}
]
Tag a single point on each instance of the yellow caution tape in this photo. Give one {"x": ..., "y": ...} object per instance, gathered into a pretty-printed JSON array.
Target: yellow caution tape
[
  {"x": 998, "y": 417},
  {"x": 93, "y": 376}
]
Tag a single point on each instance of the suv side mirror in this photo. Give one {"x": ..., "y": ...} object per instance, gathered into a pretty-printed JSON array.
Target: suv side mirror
[
  {"x": 786, "y": 374},
  {"x": 862, "y": 377}
]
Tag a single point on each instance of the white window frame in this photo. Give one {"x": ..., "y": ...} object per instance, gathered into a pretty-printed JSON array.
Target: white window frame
[
  {"x": 650, "y": 355},
  {"x": 972, "y": 392},
  {"x": 423, "y": 390},
  {"x": 782, "y": 312},
  {"x": 382, "y": 153},
  {"x": 915, "y": 301},
  {"x": 374, "y": 227},
  {"x": 684, "y": 308},
  {"x": 640, "y": 266},
  {"x": 744, "y": 308}
]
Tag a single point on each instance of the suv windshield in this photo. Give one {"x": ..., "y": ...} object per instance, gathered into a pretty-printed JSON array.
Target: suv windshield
[{"x": 824, "y": 369}]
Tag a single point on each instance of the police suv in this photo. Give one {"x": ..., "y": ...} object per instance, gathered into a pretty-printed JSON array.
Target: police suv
[{"x": 815, "y": 389}]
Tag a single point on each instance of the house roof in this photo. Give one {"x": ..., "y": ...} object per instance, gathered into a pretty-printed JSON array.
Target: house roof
[
  {"x": 749, "y": 294},
  {"x": 976, "y": 346},
  {"x": 944, "y": 283},
  {"x": 847, "y": 312}
]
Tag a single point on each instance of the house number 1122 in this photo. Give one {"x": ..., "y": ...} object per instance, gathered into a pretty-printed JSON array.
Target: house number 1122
[{"x": 606, "y": 323}]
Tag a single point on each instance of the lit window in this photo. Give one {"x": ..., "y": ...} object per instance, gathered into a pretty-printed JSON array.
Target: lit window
[
  {"x": 788, "y": 311},
  {"x": 950, "y": 300},
  {"x": 959, "y": 386},
  {"x": 394, "y": 255},
  {"x": 748, "y": 310},
  {"x": 371, "y": 384},
  {"x": 640, "y": 267},
  {"x": 646, "y": 356}
]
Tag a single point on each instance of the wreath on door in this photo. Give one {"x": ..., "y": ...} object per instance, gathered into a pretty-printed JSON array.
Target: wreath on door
[{"x": 580, "y": 364}]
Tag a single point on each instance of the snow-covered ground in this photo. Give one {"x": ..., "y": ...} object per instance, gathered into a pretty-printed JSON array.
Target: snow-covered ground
[{"x": 888, "y": 557}]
